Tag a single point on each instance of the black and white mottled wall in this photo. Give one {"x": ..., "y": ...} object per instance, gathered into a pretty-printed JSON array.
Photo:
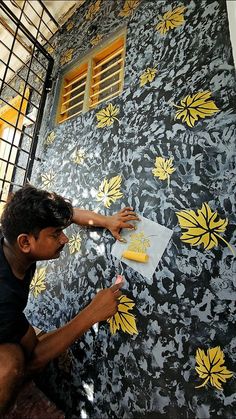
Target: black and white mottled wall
[{"x": 190, "y": 303}]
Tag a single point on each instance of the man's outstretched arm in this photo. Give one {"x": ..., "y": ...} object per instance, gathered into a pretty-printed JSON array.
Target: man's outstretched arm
[
  {"x": 114, "y": 223},
  {"x": 52, "y": 344}
]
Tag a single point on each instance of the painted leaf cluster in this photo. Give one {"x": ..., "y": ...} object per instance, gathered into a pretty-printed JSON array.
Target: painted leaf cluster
[
  {"x": 163, "y": 168},
  {"x": 195, "y": 107},
  {"x": 129, "y": 8},
  {"x": 211, "y": 367},
  {"x": 123, "y": 319},
  {"x": 203, "y": 227},
  {"x": 171, "y": 20},
  {"x": 74, "y": 243},
  {"x": 48, "y": 179},
  {"x": 92, "y": 11},
  {"x": 37, "y": 284},
  {"x": 107, "y": 116},
  {"x": 67, "y": 56},
  {"x": 148, "y": 76},
  {"x": 78, "y": 157},
  {"x": 109, "y": 191},
  {"x": 139, "y": 242}
]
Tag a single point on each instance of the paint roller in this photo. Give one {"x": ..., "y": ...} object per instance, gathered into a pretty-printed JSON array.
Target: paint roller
[{"x": 136, "y": 256}]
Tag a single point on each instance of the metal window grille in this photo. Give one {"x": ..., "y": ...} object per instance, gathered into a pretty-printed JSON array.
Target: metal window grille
[
  {"x": 98, "y": 78},
  {"x": 25, "y": 70}
]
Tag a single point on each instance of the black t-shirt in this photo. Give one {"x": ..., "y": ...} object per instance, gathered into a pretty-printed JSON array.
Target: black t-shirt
[{"x": 13, "y": 299}]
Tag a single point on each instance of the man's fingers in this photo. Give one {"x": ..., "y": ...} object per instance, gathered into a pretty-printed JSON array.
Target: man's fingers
[
  {"x": 126, "y": 209},
  {"x": 115, "y": 287}
]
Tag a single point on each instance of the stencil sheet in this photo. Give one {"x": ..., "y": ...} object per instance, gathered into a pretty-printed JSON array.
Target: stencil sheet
[{"x": 151, "y": 238}]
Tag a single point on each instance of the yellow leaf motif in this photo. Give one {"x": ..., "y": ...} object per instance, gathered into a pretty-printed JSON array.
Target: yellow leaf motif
[
  {"x": 196, "y": 107},
  {"x": 148, "y": 76},
  {"x": 74, "y": 243},
  {"x": 123, "y": 319},
  {"x": 171, "y": 20},
  {"x": 50, "y": 138},
  {"x": 50, "y": 49},
  {"x": 38, "y": 282},
  {"x": 107, "y": 116},
  {"x": 69, "y": 26},
  {"x": 96, "y": 40},
  {"x": 164, "y": 168},
  {"x": 109, "y": 191},
  {"x": 129, "y": 8},
  {"x": 79, "y": 156},
  {"x": 210, "y": 367},
  {"x": 48, "y": 179},
  {"x": 67, "y": 56},
  {"x": 202, "y": 227},
  {"x": 93, "y": 9},
  {"x": 139, "y": 242}
]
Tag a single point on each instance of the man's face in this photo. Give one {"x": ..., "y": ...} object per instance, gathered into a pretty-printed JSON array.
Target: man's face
[{"x": 49, "y": 243}]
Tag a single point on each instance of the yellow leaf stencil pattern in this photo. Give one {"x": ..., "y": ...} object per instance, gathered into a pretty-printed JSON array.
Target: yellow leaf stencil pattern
[
  {"x": 48, "y": 179},
  {"x": 210, "y": 367},
  {"x": 37, "y": 284},
  {"x": 202, "y": 227},
  {"x": 171, "y": 20},
  {"x": 50, "y": 138},
  {"x": 78, "y": 157},
  {"x": 67, "y": 56},
  {"x": 74, "y": 243},
  {"x": 196, "y": 107},
  {"x": 92, "y": 11},
  {"x": 164, "y": 168},
  {"x": 139, "y": 242},
  {"x": 123, "y": 319},
  {"x": 107, "y": 116},
  {"x": 129, "y": 8},
  {"x": 109, "y": 191},
  {"x": 148, "y": 76}
]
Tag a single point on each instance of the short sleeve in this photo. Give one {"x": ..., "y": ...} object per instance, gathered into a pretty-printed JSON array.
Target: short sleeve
[{"x": 13, "y": 324}]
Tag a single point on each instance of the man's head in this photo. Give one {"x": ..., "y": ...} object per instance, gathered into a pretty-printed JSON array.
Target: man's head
[{"x": 34, "y": 219}]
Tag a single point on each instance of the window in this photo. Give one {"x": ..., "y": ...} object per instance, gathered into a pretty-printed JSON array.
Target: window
[{"x": 98, "y": 78}]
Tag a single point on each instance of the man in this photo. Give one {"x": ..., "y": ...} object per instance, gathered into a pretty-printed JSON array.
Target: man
[{"x": 32, "y": 225}]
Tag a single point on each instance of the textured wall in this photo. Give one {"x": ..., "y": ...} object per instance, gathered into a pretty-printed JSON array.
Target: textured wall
[{"x": 190, "y": 303}]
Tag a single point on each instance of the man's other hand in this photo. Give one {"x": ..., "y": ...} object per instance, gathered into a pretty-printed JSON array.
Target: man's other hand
[{"x": 105, "y": 303}]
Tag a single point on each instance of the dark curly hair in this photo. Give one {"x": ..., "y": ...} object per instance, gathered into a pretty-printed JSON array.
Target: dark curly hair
[{"x": 29, "y": 210}]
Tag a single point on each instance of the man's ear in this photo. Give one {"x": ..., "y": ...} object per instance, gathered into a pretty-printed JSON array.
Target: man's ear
[{"x": 24, "y": 243}]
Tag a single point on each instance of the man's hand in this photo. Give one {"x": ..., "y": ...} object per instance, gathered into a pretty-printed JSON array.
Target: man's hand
[
  {"x": 105, "y": 303},
  {"x": 114, "y": 223}
]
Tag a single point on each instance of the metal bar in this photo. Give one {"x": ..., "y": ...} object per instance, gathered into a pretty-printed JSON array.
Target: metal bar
[
  {"x": 16, "y": 91},
  {"x": 73, "y": 90},
  {"x": 18, "y": 37},
  {"x": 72, "y": 98},
  {"x": 103, "y": 99},
  {"x": 30, "y": 4},
  {"x": 107, "y": 78},
  {"x": 11, "y": 125},
  {"x": 12, "y": 164},
  {"x": 109, "y": 58},
  {"x": 108, "y": 68},
  {"x": 71, "y": 116},
  {"x": 17, "y": 110},
  {"x": 25, "y": 65},
  {"x": 18, "y": 75},
  {"x": 106, "y": 88},
  {"x": 82, "y": 76},
  {"x": 49, "y": 14},
  {"x": 25, "y": 30},
  {"x": 38, "y": 120},
  {"x": 71, "y": 107},
  {"x": 8, "y": 142}
]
